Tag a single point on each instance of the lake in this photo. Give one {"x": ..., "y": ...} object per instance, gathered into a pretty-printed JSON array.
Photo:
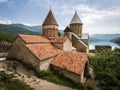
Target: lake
[{"x": 112, "y": 44}]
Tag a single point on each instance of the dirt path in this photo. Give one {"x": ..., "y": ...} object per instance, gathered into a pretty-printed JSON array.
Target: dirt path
[{"x": 38, "y": 84}]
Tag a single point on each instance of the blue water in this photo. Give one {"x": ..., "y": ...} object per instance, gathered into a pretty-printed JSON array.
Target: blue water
[{"x": 112, "y": 44}]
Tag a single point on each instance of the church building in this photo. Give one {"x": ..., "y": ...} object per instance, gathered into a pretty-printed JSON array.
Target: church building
[{"x": 67, "y": 54}]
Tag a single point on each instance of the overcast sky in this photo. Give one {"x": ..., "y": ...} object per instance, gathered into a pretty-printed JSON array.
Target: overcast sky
[{"x": 98, "y": 16}]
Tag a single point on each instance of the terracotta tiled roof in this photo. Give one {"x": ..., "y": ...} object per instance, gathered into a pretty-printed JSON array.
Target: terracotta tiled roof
[
  {"x": 33, "y": 38},
  {"x": 71, "y": 61},
  {"x": 58, "y": 39},
  {"x": 67, "y": 29},
  {"x": 50, "y": 19},
  {"x": 42, "y": 51}
]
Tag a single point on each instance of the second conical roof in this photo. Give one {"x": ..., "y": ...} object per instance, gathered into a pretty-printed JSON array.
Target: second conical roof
[
  {"x": 50, "y": 19},
  {"x": 76, "y": 19}
]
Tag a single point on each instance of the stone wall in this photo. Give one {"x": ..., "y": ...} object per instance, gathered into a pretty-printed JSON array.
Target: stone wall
[
  {"x": 67, "y": 46},
  {"x": 50, "y": 31},
  {"x": 86, "y": 41},
  {"x": 76, "y": 28},
  {"x": 79, "y": 47},
  {"x": 74, "y": 77},
  {"x": 19, "y": 52},
  {"x": 4, "y": 46},
  {"x": 45, "y": 64},
  {"x": 68, "y": 34}
]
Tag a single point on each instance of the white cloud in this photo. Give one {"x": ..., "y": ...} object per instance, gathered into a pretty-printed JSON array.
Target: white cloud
[
  {"x": 27, "y": 24},
  {"x": 90, "y": 14},
  {"x": 1, "y": 1},
  {"x": 5, "y": 21},
  {"x": 42, "y": 3}
]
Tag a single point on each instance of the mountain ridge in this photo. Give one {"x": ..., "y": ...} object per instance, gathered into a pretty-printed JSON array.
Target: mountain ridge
[
  {"x": 37, "y": 30},
  {"x": 13, "y": 31}
]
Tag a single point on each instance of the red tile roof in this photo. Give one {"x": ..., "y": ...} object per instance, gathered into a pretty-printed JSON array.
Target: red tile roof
[
  {"x": 58, "y": 39},
  {"x": 33, "y": 38},
  {"x": 42, "y": 51},
  {"x": 71, "y": 61}
]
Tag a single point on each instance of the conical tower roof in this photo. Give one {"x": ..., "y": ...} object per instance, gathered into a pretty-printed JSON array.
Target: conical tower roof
[
  {"x": 50, "y": 19},
  {"x": 76, "y": 19}
]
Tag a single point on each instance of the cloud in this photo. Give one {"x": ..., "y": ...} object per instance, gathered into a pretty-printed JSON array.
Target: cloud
[
  {"x": 41, "y": 3},
  {"x": 5, "y": 21},
  {"x": 2, "y": 1},
  {"x": 90, "y": 14}
]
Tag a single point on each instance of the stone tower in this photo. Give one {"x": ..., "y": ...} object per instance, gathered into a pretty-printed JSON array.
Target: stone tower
[
  {"x": 50, "y": 26},
  {"x": 76, "y": 24}
]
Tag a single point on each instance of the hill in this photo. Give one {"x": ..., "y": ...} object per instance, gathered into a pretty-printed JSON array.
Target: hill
[
  {"x": 37, "y": 28},
  {"x": 116, "y": 40},
  {"x": 103, "y": 37},
  {"x": 13, "y": 31}
]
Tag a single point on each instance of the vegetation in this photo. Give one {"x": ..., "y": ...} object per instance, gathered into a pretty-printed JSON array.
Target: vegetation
[
  {"x": 106, "y": 65},
  {"x": 6, "y": 37},
  {"x": 7, "y": 83},
  {"x": 13, "y": 31},
  {"x": 52, "y": 76},
  {"x": 116, "y": 40}
]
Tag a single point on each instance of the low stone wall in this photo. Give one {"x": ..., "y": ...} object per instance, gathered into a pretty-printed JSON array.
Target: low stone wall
[{"x": 4, "y": 48}]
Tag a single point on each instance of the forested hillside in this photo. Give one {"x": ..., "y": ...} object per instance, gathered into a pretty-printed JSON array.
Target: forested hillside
[
  {"x": 6, "y": 37},
  {"x": 106, "y": 65},
  {"x": 116, "y": 40},
  {"x": 13, "y": 31}
]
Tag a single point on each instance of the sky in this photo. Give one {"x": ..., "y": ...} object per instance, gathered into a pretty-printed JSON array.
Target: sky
[{"x": 98, "y": 16}]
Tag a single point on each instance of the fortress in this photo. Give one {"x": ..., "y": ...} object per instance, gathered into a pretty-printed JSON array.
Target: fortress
[{"x": 67, "y": 54}]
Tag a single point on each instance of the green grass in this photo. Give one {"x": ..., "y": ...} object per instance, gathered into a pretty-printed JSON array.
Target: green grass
[
  {"x": 7, "y": 83},
  {"x": 52, "y": 76}
]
